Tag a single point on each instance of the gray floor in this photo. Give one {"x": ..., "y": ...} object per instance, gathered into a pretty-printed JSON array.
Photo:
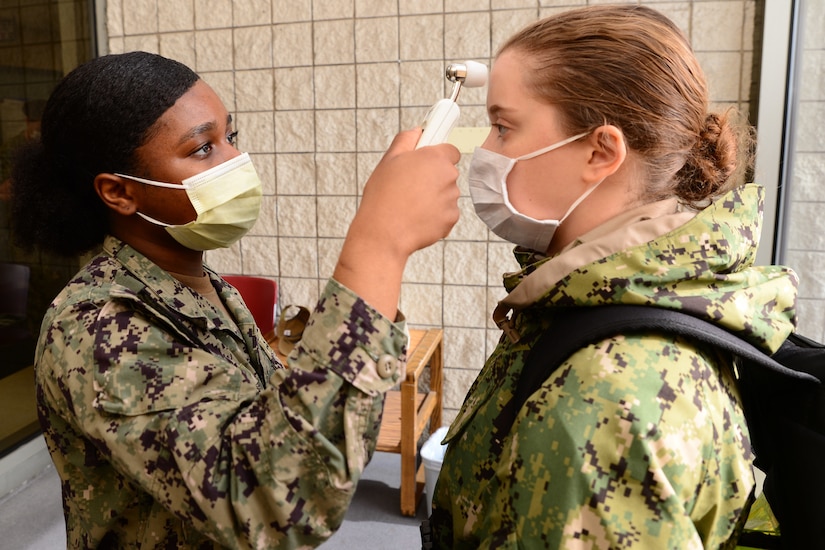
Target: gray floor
[{"x": 31, "y": 518}]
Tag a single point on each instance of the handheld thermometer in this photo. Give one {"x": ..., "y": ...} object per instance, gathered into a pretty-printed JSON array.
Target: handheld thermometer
[{"x": 442, "y": 117}]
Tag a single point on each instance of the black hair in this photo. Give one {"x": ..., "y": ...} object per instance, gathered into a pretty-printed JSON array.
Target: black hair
[{"x": 93, "y": 122}]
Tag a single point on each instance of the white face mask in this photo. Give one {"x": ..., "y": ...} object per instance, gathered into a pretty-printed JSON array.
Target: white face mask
[
  {"x": 226, "y": 198},
  {"x": 488, "y": 188}
]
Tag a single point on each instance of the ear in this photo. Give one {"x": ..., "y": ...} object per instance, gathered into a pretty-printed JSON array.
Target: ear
[
  {"x": 116, "y": 193},
  {"x": 608, "y": 152}
]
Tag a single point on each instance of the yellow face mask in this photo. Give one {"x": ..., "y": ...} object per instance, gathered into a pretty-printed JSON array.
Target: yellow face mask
[{"x": 226, "y": 198}]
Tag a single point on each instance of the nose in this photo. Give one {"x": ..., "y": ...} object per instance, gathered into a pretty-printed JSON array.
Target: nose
[{"x": 490, "y": 139}]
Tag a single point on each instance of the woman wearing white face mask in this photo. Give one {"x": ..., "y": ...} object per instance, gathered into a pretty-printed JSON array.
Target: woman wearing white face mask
[
  {"x": 169, "y": 419},
  {"x": 605, "y": 167}
]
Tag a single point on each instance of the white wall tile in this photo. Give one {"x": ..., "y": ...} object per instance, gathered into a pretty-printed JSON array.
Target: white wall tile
[
  {"x": 141, "y": 42},
  {"x": 213, "y": 14},
  {"x": 375, "y": 8},
  {"x": 292, "y": 44},
  {"x": 406, "y": 7},
  {"x": 422, "y": 304},
  {"x": 465, "y": 263},
  {"x": 259, "y": 131},
  {"x": 376, "y": 39},
  {"x": 264, "y": 165},
  {"x": 473, "y": 42},
  {"x": 175, "y": 15},
  {"x": 296, "y": 173},
  {"x": 300, "y": 291},
  {"x": 723, "y": 72},
  {"x": 334, "y": 87},
  {"x": 335, "y": 215},
  {"x": 328, "y": 252},
  {"x": 421, "y": 83},
  {"x": 421, "y": 37},
  {"x": 297, "y": 217},
  {"x": 334, "y": 42},
  {"x": 225, "y": 260},
  {"x": 267, "y": 224},
  {"x": 375, "y": 128},
  {"x": 506, "y": 23},
  {"x": 251, "y": 12},
  {"x": 298, "y": 257},
  {"x": 223, "y": 84},
  {"x": 808, "y": 176},
  {"x": 259, "y": 256},
  {"x": 254, "y": 90},
  {"x": 114, "y": 18},
  {"x": 811, "y": 119},
  {"x": 294, "y": 131},
  {"x": 335, "y": 173},
  {"x": 707, "y": 35},
  {"x": 212, "y": 49},
  {"x": 427, "y": 265},
  {"x": 141, "y": 17},
  {"x": 333, "y": 9},
  {"x": 377, "y": 85},
  {"x": 253, "y": 47},
  {"x": 293, "y": 88},
  {"x": 468, "y": 305},
  {"x": 336, "y": 131},
  {"x": 179, "y": 46}
]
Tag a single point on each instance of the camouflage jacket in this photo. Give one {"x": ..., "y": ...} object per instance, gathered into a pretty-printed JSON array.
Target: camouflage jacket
[
  {"x": 172, "y": 426},
  {"x": 637, "y": 441}
]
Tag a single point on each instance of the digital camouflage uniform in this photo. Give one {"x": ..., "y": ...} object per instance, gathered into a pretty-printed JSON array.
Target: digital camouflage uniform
[
  {"x": 637, "y": 441},
  {"x": 171, "y": 426}
]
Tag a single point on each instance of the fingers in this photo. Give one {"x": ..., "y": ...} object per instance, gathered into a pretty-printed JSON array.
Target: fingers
[
  {"x": 403, "y": 142},
  {"x": 406, "y": 141}
]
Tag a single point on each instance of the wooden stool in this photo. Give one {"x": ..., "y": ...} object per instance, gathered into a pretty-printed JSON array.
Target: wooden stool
[{"x": 407, "y": 412}]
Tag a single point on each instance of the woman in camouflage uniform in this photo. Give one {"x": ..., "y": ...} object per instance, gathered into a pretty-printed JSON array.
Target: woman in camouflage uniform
[
  {"x": 168, "y": 417},
  {"x": 637, "y": 441}
]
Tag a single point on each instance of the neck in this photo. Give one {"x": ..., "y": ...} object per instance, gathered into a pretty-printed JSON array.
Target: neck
[
  {"x": 157, "y": 245},
  {"x": 616, "y": 194}
]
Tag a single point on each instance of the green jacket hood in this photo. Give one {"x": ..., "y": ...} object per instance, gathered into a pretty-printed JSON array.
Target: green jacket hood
[{"x": 661, "y": 255}]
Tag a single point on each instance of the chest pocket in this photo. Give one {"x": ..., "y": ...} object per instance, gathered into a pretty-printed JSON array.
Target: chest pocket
[{"x": 141, "y": 368}]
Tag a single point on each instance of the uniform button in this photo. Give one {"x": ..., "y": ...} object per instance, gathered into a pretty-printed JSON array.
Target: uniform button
[{"x": 386, "y": 366}]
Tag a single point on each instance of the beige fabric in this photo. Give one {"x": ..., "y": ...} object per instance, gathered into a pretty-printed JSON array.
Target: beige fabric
[{"x": 634, "y": 227}]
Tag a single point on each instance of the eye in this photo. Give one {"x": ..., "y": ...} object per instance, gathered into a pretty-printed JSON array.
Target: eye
[
  {"x": 204, "y": 149},
  {"x": 232, "y": 139},
  {"x": 501, "y": 129}
]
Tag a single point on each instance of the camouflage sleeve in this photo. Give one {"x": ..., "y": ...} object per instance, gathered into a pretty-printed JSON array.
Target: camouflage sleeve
[
  {"x": 251, "y": 467},
  {"x": 595, "y": 464}
]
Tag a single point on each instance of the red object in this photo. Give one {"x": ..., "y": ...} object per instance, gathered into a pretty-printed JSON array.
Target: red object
[{"x": 261, "y": 297}]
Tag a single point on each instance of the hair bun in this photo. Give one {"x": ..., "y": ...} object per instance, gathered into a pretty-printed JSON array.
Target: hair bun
[{"x": 711, "y": 163}]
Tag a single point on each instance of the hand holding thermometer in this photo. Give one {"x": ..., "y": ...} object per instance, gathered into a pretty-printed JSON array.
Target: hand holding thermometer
[{"x": 442, "y": 117}]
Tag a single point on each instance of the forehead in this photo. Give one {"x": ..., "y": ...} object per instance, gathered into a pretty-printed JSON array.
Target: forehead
[
  {"x": 197, "y": 107},
  {"x": 507, "y": 86}
]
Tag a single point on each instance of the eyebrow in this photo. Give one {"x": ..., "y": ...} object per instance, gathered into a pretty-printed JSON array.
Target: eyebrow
[
  {"x": 496, "y": 110},
  {"x": 202, "y": 129}
]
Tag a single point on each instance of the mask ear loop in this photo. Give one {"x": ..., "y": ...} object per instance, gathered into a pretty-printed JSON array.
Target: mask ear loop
[
  {"x": 580, "y": 200},
  {"x": 586, "y": 193},
  {"x": 153, "y": 220},
  {"x": 155, "y": 183},
  {"x": 552, "y": 147}
]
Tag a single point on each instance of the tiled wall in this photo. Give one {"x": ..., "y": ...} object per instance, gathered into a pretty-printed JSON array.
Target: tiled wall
[
  {"x": 319, "y": 87},
  {"x": 806, "y": 232}
]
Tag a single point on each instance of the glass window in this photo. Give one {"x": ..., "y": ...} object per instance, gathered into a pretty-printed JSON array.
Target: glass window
[
  {"x": 803, "y": 246},
  {"x": 40, "y": 41}
]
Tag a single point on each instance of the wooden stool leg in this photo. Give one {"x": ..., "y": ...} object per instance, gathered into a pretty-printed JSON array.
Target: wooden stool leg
[{"x": 408, "y": 448}]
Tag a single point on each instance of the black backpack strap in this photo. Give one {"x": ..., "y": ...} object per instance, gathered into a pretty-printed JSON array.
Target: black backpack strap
[{"x": 580, "y": 326}]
